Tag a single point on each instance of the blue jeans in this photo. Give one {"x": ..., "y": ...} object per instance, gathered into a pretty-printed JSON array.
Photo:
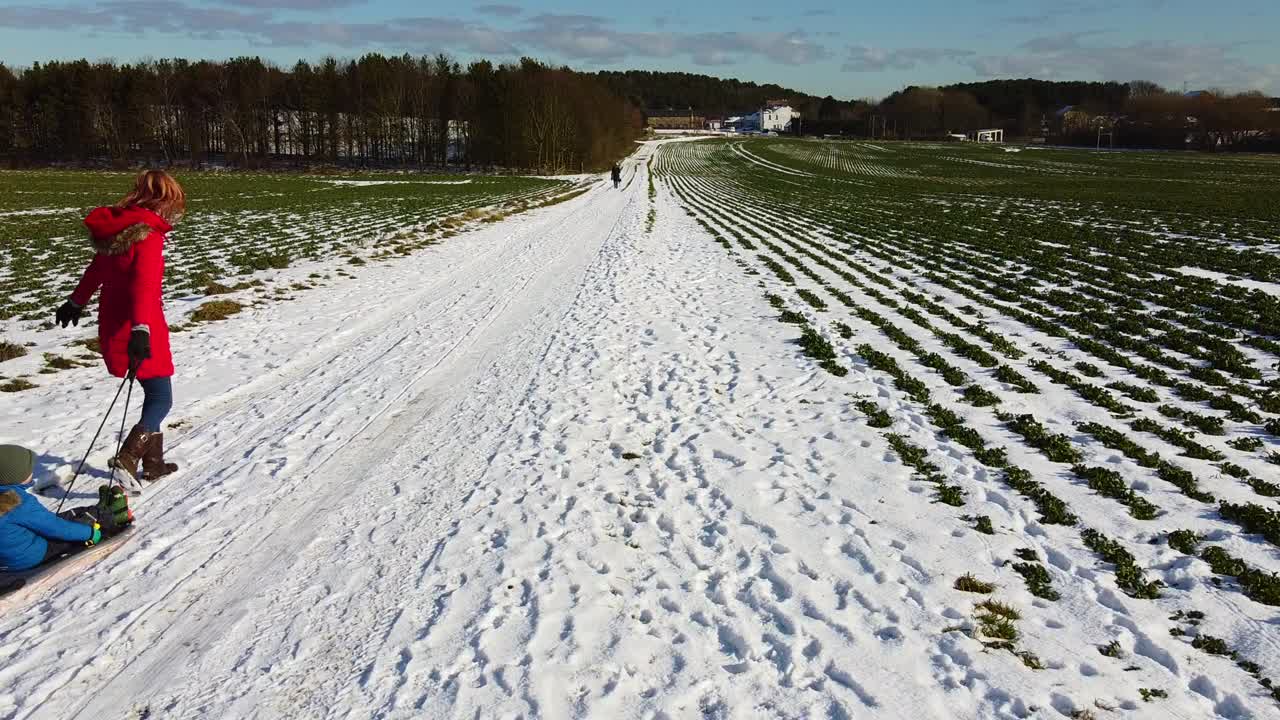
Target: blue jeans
[{"x": 157, "y": 399}]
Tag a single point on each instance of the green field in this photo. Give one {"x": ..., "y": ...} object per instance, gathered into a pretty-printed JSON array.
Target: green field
[
  {"x": 236, "y": 224},
  {"x": 1098, "y": 331}
]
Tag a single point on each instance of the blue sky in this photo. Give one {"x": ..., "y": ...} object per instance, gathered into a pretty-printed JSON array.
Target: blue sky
[{"x": 848, "y": 49}]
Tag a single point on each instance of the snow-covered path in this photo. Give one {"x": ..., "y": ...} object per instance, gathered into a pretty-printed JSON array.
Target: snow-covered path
[{"x": 334, "y": 477}]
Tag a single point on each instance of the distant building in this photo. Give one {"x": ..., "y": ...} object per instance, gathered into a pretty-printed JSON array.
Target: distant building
[
  {"x": 775, "y": 116},
  {"x": 714, "y": 123},
  {"x": 674, "y": 119}
]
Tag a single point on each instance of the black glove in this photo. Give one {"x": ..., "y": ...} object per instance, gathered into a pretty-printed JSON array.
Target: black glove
[
  {"x": 139, "y": 347},
  {"x": 69, "y": 314}
]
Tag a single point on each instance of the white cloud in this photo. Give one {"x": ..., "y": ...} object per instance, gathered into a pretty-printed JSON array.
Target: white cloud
[
  {"x": 864, "y": 58},
  {"x": 1063, "y": 57},
  {"x": 499, "y": 10},
  {"x": 1077, "y": 56},
  {"x": 586, "y": 38}
]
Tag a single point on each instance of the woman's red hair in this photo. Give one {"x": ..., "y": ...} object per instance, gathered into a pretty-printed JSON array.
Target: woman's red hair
[{"x": 159, "y": 192}]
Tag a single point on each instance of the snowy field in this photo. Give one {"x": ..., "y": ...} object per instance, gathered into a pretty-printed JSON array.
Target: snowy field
[
  {"x": 239, "y": 224},
  {"x": 782, "y": 429}
]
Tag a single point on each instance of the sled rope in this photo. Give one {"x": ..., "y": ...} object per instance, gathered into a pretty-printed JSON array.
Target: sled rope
[
  {"x": 128, "y": 378},
  {"x": 124, "y": 416}
]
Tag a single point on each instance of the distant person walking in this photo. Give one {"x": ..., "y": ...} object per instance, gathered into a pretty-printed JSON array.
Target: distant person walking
[
  {"x": 128, "y": 265},
  {"x": 616, "y": 174}
]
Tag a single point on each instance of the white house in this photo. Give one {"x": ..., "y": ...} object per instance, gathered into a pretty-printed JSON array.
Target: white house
[{"x": 770, "y": 118}]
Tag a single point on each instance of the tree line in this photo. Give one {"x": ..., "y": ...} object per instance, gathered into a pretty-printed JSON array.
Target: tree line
[
  {"x": 710, "y": 96},
  {"x": 374, "y": 111},
  {"x": 1130, "y": 114},
  {"x": 1133, "y": 114}
]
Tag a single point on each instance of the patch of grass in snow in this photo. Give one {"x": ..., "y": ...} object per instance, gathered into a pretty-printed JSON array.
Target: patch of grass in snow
[
  {"x": 1152, "y": 693},
  {"x": 1184, "y": 541},
  {"x": 913, "y": 387},
  {"x": 997, "y": 625},
  {"x": 11, "y": 351},
  {"x": 215, "y": 310},
  {"x": 995, "y": 607},
  {"x": 1029, "y": 659},
  {"x": 952, "y": 495},
  {"x": 876, "y": 416},
  {"x": 217, "y": 288},
  {"x": 1108, "y": 483},
  {"x": 955, "y": 427},
  {"x": 1037, "y": 579},
  {"x": 16, "y": 385},
  {"x": 911, "y": 455},
  {"x": 57, "y": 362},
  {"x": 1213, "y": 645},
  {"x": 979, "y": 396},
  {"x": 1135, "y": 392},
  {"x": 1053, "y": 510},
  {"x": 812, "y": 299},
  {"x": 1116, "y": 440},
  {"x": 969, "y": 583},
  {"x": 1056, "y": 447},
  {"x": 1217, "y": 646},
  {"x": 1207, "y": 424},
  {"x": 1254, "y": 518},
  {"x": 1088, "y": 369},
  {"x": 953, "y": 376},
  {"x": 1112, "y": 650},
  {"x": 1006, "y": 374},
  {"x": 777, "y": 269},
  {"x": 1175, "y": 436},
  {"x": 817, "y": 347},
  {"x": 1129, "y": 577}
]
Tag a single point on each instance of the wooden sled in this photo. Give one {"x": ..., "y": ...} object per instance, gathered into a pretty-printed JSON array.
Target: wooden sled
[{"x": 22, "y": 589}]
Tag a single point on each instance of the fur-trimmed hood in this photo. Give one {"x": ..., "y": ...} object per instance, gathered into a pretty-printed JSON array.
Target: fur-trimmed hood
[
  {"x": 9, "y": 500},
  {"x": 113, "y": 230}
]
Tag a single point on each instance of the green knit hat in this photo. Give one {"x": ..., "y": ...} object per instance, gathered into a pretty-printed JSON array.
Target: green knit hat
[{"x": 16, "y": 464}]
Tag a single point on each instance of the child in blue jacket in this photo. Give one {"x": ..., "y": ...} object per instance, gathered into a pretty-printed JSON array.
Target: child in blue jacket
[{"x": 29, "y": 533}]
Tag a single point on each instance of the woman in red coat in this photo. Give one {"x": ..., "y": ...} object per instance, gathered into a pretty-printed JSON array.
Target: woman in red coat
[{"x": 128, "y": 264}]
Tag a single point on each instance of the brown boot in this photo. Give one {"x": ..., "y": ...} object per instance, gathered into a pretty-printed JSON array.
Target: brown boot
[
  {"x": 135, "y": 446},
  {"x": 153, "y": 465}
]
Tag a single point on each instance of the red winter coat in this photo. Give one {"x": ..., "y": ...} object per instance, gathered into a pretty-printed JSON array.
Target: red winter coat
[{"x": 128, "y": 266}]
